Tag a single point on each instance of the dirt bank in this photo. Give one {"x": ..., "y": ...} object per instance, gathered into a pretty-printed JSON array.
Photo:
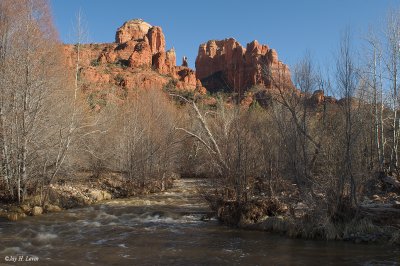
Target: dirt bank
[{"x": 83, "y": 190}]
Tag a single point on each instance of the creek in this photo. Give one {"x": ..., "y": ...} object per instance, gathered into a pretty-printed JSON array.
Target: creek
[{"x": 167, "y": 228}]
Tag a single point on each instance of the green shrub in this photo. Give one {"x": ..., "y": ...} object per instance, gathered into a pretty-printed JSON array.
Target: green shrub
[
  {"x": 119, "y": 78},
  {"x": 95, "y": 62}
]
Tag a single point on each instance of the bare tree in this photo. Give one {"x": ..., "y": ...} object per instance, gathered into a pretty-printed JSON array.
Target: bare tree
[
  {"x": 392, "y": 61},
  {"x": 306, "y": 81},
  {"x": 346, "y": 76},
  {"x": 209, "y": 141},
  {"x": 372, "y": 76},
  {"x": 35, "y": 126}
]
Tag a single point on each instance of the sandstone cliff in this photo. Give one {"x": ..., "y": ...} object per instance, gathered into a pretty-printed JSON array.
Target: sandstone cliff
[
  {"x": 227, "y": 65},
  {"x": 137, "y": 59}
]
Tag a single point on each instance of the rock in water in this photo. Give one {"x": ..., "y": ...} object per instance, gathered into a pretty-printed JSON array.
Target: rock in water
[
  {"x": 37, "y": 210},
  {"x": 52, "y": 208}
]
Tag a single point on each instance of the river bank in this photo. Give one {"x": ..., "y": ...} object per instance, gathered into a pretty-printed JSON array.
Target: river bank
[
  {"x": 360, "y": 229},
  {"x": 83, "y": 190},
  {"x": 168, "y": 228},
  {"x": 375, "y": 220},
  {"x": 283, "y": 214}
]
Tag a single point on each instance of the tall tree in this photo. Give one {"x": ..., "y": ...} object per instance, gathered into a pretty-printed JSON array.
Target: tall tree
[
  {"x": 392, "y": 62},
  {"x": 31, "y": 109},
  {"x": 346, "y": 78}
]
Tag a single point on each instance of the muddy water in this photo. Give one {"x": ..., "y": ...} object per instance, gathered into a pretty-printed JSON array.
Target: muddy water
[{"x": 166, "y": 228}]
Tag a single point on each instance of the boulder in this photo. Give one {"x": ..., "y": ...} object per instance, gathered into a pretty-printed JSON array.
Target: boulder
[
  {"x": 96, "y": 195},
  {"x": 99, "y": 195},
  {"x": 52, "y": 208},
  {"x": 106, "y": 195},
  {"x": 15, "y": 213},
  {"x": 25, "y": 208},
  {"x": 37, "y": 211}
]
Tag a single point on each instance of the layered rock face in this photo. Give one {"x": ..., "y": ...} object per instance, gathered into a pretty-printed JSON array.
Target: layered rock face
[
  {"x": 227, "y": 65},
  {"x": 137, "y": 59}
]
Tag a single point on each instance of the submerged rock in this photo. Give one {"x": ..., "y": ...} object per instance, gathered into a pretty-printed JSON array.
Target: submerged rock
[
  {"x": 52, "y": 208},
  {"x": 15, "y": 216}
]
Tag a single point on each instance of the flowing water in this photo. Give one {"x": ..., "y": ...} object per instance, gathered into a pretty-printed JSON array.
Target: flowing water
[{"x": 166, "y": 228}]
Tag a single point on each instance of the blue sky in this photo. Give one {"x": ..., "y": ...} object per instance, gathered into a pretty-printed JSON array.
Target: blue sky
[{"x": 292, "y": 27}]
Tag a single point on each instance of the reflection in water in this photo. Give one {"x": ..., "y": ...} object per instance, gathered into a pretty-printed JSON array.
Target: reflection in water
[{"x": 166, "y": 228}]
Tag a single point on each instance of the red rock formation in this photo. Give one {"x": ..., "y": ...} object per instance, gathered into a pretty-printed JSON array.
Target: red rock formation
[
  {"x": 145, "y": 79},
  {"x": 226, "y": 65},
  {"x": 156, "y": 40},
  {"x": 318, "y": 98},
  {"x": 137, "y": 59},
  {"x": 124, "y": 51},
  {"x": 185, "y": 61},
  {"x": 165, "y": 62},
  {"x": 186, "y": 77},
  {"x": 134, "y": 29},
  {"x": 91, "y": 75},
  {"x": 141, "y": 56}
]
